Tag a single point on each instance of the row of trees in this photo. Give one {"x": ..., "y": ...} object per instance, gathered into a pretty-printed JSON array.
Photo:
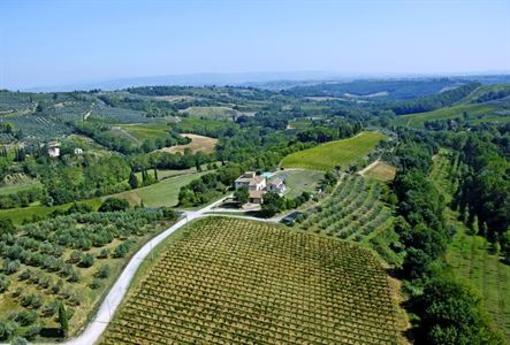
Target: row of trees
[{"x": 448, "y": 311}]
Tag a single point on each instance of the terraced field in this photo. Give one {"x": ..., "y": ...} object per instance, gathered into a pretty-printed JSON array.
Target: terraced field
[{"x": 231, "y": 281}]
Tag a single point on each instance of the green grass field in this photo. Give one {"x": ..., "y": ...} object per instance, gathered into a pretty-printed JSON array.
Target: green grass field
[
  {"x": 164, "y": 193},
  {"x": 341, "y": 152},
  {"x": 473, "y": 111},
  {"x": 147, "y": 130},
  {"x": 299, "y": 181},
  {"x": 4, "y": 190},
  {"x": 470, "y": 258},
  {"x": 17, "y": 215},
  {"x": 213, "y": 112}
]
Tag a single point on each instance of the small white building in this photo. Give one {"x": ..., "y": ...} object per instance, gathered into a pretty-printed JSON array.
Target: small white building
[
  {"x": 54, "y": 149},
  {"x": 78, "y": 151}
]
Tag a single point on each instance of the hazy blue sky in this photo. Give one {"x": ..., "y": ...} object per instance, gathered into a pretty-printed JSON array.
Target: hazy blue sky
[{"x": 57, "y": 42}]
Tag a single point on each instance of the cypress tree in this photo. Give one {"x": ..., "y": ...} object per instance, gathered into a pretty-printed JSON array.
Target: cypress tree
[
  {"x": 133, "y": 181},
  {"x": 63, "y": 318}
]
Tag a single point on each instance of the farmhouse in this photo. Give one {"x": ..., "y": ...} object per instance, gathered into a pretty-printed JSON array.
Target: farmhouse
[
  {"x": 249, "y": 180},
  {"x": 257, "y": 186},
  {"x": 54, "y": 149}
]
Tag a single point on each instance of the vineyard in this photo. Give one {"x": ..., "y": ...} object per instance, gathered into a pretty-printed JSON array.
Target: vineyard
[
  {"x": 69, "y": 258},
  {"x": 353, "y": 212},
  {"x": 230, "y": 281}
]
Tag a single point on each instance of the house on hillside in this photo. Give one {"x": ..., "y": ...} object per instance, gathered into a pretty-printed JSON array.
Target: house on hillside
[{"x": 54, "y": 149}]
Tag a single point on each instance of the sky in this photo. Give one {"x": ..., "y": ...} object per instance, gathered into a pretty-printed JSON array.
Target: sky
[{"x": 51, "y": 42}]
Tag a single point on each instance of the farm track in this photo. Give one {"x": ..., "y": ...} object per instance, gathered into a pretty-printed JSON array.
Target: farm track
[
  {"x": 113, "y": 299},
  {"x": 115, "y": 296}
]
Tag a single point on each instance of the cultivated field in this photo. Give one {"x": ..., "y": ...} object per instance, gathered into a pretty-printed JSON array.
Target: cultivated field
[
  {"x": 59, "y": 260},
  {"x": 341, "y": 152},
  {"x": 471, "y": 257},
  {"x": 381, "y": 171},
  {"x": 198, "y": 143},
  {"x": 213, "y": 112},
  {"x": 157, "y": 130},
  {"x": 354, "y": 212},
  {"x": 474, "y": 112},
  {"x": 230, "y": 281}
]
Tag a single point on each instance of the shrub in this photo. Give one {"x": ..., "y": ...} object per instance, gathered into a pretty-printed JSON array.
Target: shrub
[
  {"x": 95, "y": 284},
  {"x": 11, "y": 266},
  {"x": 87, "y": 260},
  {"x": 103, "y": 272},
  {"x": 103, "y": 254},
  {"x": 113, "y": 205},
  {"x": 4, "y": 283},
  {"x": 25, "y": 317}
]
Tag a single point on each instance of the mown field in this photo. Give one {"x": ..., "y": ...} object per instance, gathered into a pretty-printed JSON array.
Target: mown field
[
  {"x": 230, "y": 281},
  {"x": 18, "y": 215},
  {"x": 382, "y": 171},
  {"x": 328, "y": 156},
  {"x": 213, "y": 112},
  {"x": 156, "y": 130},
  {"x": 300, "y": 180},
  {"x": 472, "y": 258},
  {"x": 164, "y": 193},
  {"x": 198, "y": 143},
  {"x": 475, "y": 112}
]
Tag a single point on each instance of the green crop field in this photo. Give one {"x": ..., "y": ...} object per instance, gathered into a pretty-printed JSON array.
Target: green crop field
[
  {"x": 213, "y": 112},
  {"x": 19, "y": 187},
  {"x": 474, "y": 111},
  {"x": 164, "y": 193},
  {"x": 231, "y": 281},
  {"x": 341, "y": 152},
  {"x": 147, "y": 130},
  {"x": 18, "y": 215}
]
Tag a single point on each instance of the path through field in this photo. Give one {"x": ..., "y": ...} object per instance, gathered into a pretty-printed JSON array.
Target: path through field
[{"x": 114, "y": 298}]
